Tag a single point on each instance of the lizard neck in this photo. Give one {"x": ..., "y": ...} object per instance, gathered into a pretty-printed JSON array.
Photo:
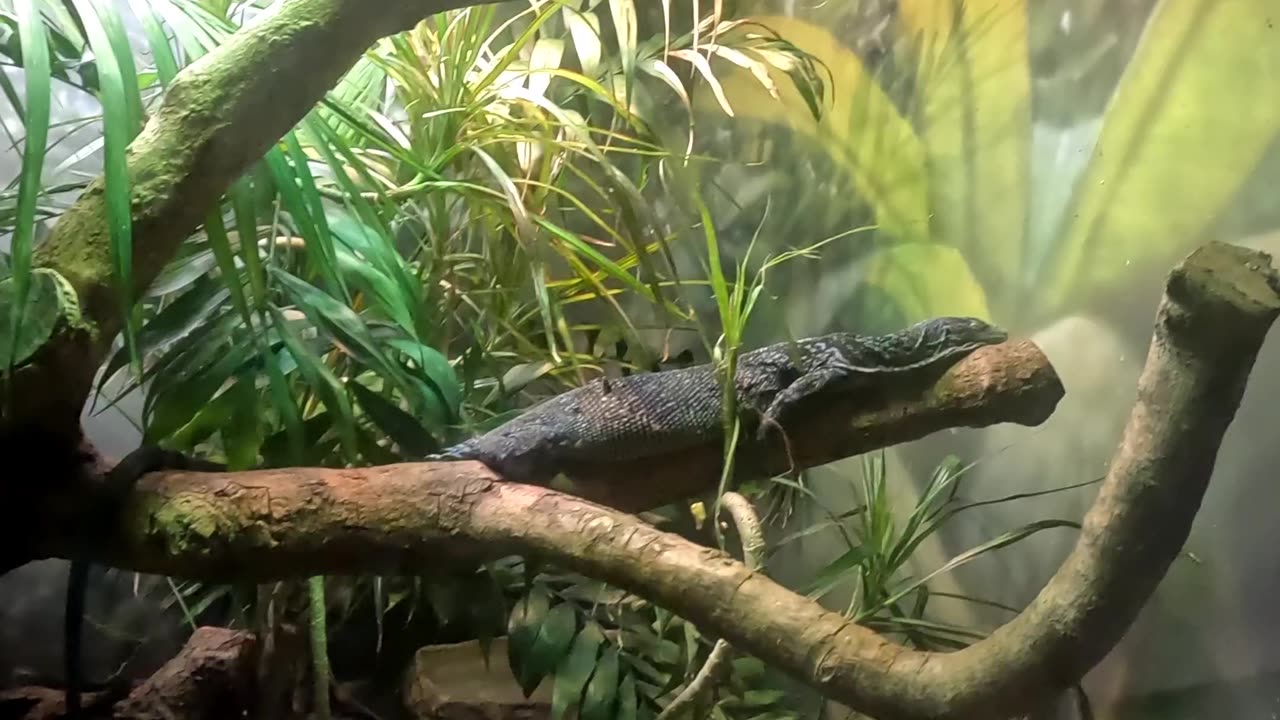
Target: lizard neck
[{"x": 940, "y": 341}]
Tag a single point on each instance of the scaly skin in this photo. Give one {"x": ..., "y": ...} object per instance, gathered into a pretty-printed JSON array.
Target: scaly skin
[{"x": 651, "y": 414}]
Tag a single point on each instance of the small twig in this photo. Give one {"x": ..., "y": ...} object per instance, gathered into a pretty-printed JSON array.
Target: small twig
[{"x": 748, "y": 525}]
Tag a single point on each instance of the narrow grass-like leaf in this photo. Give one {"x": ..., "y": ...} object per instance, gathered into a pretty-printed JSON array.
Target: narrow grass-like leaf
[
  {"x": 36, "y": 69},
  {"x": 836, "y": 572},
  {"x": 122, "y": 53},
  {"x": 327, "y": 386},
  {"x": 177, "y": 403},
  {"x": 241, "y": 196},
  {"x": 434, "y": 369},
  {"x": 225, "y": 256},
  {"x": 400, "y": 426},
  {"x": 161, "y": 52},
  {"x": 119, "y": 126},
  {"x": 242, "y": 437},
  {"x": 341, "y": 322},
  {"x": 320, "y": 249},
  {"x": 1003, "y": 540}
]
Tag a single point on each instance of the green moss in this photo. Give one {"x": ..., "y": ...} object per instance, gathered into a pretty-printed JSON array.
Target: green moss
[{"x": 186, "y": 523}]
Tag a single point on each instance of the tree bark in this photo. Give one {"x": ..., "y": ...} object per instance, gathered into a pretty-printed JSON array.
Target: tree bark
[
  {"x": 1218, "y": 307},
  {"x": 311, "y": 521},
  {"x": 212, "y": 677}
]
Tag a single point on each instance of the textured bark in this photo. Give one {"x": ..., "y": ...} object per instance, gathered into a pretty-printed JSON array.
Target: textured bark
[
  {"x": 1218, "y": 307},
  {"x": 308, "y": 521},
  {"x": 1013, "y": 382},
  {"x": 212, "y": 677}
]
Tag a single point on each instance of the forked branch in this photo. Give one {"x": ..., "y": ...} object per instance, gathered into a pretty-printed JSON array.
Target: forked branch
[{"x": 1219, "y": 304}]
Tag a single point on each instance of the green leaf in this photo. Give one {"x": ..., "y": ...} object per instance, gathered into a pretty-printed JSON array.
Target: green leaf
[
  {"x": 575, "y": 670},
  {"x": 36, "y": 70},
  {"x": 435, "y": 370},
  {"x": 601, "y": 696},
  {"x": 121, "y": 110},
  {"x": 761, "y": 698},
  {"x": 523, "y": 626},
  {"x": 836, "y": 571},
  {"x": 241, "y": 195},
  {"x": 166, "y": 65},
  {"x": 243, "y": 436},
  {"x": 122, "y": 53},
  {"x": 182, "y": 271},
  {"x": 345, "y": 326},
  {"x": 628, "y": 699},
  {"x": 226, "y": 259},
  {"x": 555, "y": 636},
  {"x": 278, "y": 450},
  {"x": 178, "y": 404},
  {"x": 320, "y": 247},
  {"x": 332, "y": 392},
  {"x": 400, "y": 426},
  {"x": 50, "y": 304},
  {"x": 1003, "y": 540}
]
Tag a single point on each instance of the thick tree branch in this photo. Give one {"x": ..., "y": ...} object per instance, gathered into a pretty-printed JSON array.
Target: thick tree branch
[
  {"x": 357, "y": 520},
  {"x": 1013, "y": 382},
  {"x": 1217, "y": 310},
  {"x": 219, "y": 116}
]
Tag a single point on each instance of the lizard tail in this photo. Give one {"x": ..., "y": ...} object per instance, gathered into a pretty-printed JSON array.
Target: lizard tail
[{"x": 462, "y": 451}]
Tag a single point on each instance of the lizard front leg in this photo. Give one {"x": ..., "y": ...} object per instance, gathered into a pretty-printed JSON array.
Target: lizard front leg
[{"x": 817, "y": 379}]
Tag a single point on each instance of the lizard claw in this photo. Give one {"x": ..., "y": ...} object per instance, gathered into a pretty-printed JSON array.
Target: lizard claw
[{"x": 768, "y": 422}]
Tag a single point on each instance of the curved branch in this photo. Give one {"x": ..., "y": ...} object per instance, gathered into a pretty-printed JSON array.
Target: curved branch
[
  {"x": 750, "y": 531},
  {"x": 389, "y": 517},
  {"x": 1013, "y": 382},
  {"x": 1218, "y": 307}
]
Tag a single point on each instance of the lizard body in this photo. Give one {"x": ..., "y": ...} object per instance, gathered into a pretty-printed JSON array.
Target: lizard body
[{"x": 639, "y": 416}]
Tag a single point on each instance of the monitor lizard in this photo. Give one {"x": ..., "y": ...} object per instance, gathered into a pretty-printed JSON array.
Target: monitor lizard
[{"x": 644, "y": 415}]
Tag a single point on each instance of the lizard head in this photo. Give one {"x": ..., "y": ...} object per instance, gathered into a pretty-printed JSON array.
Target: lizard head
[
  {"x": 938, "y": 341},
  {"x": 960, "y": 332}
]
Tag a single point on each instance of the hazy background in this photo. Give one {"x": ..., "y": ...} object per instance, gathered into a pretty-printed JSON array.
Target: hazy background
[{"x": 1058, "y": 159}]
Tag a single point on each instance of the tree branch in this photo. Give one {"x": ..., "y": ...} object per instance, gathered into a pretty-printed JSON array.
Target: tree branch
[
  {"x": 1218, "y": 307},
  {"x": 1013, "y": 382},
  {"x": 390, "y": 518}
]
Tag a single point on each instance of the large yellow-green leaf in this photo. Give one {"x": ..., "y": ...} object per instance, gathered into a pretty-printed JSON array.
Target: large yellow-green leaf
[
  {"x": 972, "y": 110},
  {"x": 1197, "y": 107},
  {"x": 925, "y": 280},
  {"x": 860, "y": 127}
]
